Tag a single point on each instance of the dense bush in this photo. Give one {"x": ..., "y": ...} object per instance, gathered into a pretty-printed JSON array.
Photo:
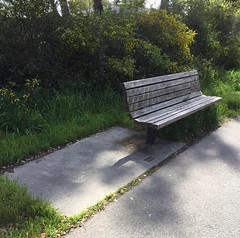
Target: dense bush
[
  {"x": 89, "y": 50},
  {"x": 28, "y": 41},
  {"x": 170, "y": 35},
  {"x": 217, "y": 24}
]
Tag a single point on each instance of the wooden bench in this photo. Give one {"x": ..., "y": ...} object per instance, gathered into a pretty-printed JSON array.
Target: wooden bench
[{"x": 159, "y": 101}]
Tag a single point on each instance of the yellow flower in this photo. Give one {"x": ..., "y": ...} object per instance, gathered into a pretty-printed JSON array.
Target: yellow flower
[{"x": 25, "y": 95}]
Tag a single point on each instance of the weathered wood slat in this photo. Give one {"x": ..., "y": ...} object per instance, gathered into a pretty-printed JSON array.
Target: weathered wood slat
[
  {"x": 194, "y": 85},
  {"x": 152, "y": 101},
  {"x": 185, "y": 113},
  {"x": 180, "y": 109},
  {"x": 160, "y": 86},
  {"x": 160, "y": 79},
  {"x": 162, "y": 105},
  {"x": 157, "y": 114}
]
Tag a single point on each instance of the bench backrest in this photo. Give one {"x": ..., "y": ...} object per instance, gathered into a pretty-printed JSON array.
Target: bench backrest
[{"x": 146, "y": 95}]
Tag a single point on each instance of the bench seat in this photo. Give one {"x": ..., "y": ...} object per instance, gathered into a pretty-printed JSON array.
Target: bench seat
[
  {"x": 159, "y": 101},
  {"x": 170, "y": 114}
]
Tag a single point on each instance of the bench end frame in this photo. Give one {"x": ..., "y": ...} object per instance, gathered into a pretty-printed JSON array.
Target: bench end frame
[{"x": 151, "y": 136}]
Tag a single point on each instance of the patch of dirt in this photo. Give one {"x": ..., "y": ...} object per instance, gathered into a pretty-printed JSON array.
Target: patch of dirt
[{"x": 134, "y": 143}]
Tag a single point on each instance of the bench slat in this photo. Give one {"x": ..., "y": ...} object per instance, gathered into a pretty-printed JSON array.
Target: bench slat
[
  {"x": 162, "y": 105},
  {"x": 194, "y": 85},
  {"x": 157, "y": 114},
  {"x": 163, "y": 116},
  {"x": 152, "y": 101},
  {"x": 160, "y": 86},
  {"x": 160, "y": 79},
  {"x": 185, "y": 113}
]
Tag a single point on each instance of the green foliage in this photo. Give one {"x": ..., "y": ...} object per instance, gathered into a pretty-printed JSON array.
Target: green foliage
[
  {"x": 227, "y": 85},
  {"x": 77, "y": 6},
  {"x": 16, "y": 205},
  {"x": 150, "y": 60},
  {"x": 216, "y": 23},
  {"x": 17, "y": 109},
  {"x": 132, "y": 5},
  {"x": 21, "y": 215},
  {"x": 89, "y": 50},
  {"x": 162, "y": 29},
  {"x": 232, "y": 101},
  {"x": 27, "y": 41}
]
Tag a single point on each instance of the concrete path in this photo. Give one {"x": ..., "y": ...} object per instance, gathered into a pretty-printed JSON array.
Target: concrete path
[
  {"x": 197, "y": 194},
  {"x": 81, "y": 174}
]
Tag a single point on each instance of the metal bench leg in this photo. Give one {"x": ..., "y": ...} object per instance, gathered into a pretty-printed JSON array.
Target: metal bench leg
[{"x": 151, "y": 133}]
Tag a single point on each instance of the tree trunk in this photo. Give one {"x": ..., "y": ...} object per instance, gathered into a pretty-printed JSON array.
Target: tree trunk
[
  {"x": 164, "y": 4},
  {"x": 97, "y": 5},
  {"x": 64, "y": 7},
  {"x": 54, "y": 7}
]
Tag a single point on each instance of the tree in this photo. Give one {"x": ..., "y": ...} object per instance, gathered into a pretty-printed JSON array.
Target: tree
[
  {"x": 97, "y": 5},
  {"x": 64, "y": 7},
  {"x": 164, "y": 4},
  {"x": 54, "y": 7}
]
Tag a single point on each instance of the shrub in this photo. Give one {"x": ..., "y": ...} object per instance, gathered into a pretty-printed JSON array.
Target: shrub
[
  {"x": 216, "y": 23},
  {"x": 169, "y": 34},
  {"x": 89, "y": 50}
]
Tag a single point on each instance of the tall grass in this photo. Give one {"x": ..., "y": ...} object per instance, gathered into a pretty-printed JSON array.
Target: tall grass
[
  {"x": 65, "y": 117},
  {"x": 226, "y": 85}
]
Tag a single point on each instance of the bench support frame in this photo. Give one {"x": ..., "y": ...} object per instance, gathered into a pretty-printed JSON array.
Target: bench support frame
[{"x": 151, "y": 135}]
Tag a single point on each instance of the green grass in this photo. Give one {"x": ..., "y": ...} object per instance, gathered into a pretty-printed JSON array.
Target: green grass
[
  {"x": 227, "y": 86},
  {"x": 21, "y": 215},
  {"x": 66, "y": 117}
]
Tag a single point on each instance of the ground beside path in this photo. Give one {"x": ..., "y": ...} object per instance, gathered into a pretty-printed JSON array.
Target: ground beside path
[{"x": 197, "y": 194}]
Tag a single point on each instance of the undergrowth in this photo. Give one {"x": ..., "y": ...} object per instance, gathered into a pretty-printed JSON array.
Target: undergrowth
[{"x": 65, "y": 117}]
